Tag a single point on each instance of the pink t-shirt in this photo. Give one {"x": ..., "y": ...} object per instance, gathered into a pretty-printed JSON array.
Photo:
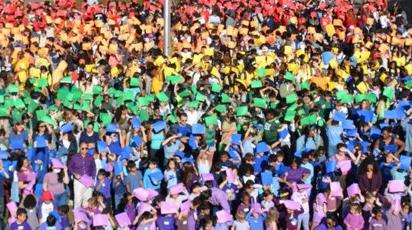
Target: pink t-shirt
[{"x": 53, "y": 185}]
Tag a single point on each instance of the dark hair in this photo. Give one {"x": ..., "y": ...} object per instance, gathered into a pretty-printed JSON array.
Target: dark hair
[
  {"x": 51, "y": 220},
  {"x": 21, "y": 211},
  {"x": 30, "y": 201},
  {"x": 131, "y": 164}
]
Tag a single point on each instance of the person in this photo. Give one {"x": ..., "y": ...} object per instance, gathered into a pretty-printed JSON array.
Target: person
[
  {"x": 56, "y": 181},
  {"x": 134, "y": 179},
  {"x": 240, "y": 222},
  {"x": 20, "y": 223},
  {"x": 370, "y": 179},
  {"x": 81, "y": 165}
]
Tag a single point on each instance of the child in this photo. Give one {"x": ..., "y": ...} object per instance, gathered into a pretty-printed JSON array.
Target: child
[
  {"x": 240, "y": 223},
  {"x": 152, "y": 176},
  {"x": 319, "y": 209},
  {"x": 30, "y": 204},
  {"x": 134, "y": 179},
  {"x": 300, "y": 196},
  {"x": 103, "y": 186},
  {"x": 256, "y": 218},
  {"x": 20, "y": 223},
  {"x": 171, "y": 172},
  {"x": 272, "y": 219},
  {"x": 267, "y": 202},
  {"x": 64, "y": 220},
  {"x": 46, "y": 206},
  {"x": 354, "y": 219},
  {"x": 377, "y": 222}
]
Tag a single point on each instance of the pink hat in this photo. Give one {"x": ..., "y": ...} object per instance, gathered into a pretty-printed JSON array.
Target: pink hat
[
  {"x": 185, "y": 207},
  {"x": 353, "y": 190},
  {"x": 143, "y": 207},
  {"x": 345, "y": 166},
  {"x": 123, "y": 219},
  {"x": 304, "y": 186},
  {"x": 223, "y": 216},
  {"x": 141, "y": 194},
  {"x": 256, "y": 208},
  {"x": 152, "y": 193},
  {"x": 86, "y": 180},
  {"x": 396, "y": 205},
  {"x": 57, "y": 164},
  {"x": 80, "y": 215},
  {"x": 176, "y": 189},
  {"x": 100, "y": 220},
  {"x": 396, "y": 186},
  {"x": 291, "y": 205},
  {"x": 168, "y": 207},
  {"x": 336, "y": 189},
  {"x": 207, "y": 177},
  {"x": 230, "y": 175}
]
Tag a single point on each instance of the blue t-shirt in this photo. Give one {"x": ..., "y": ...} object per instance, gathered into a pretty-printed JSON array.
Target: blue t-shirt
[{"x": 133, "y": 181}]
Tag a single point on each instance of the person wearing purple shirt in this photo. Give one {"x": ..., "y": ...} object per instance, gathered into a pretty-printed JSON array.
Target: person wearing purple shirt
[
  {"x": 219, "y": 198},
  {"x": 296, "y": 173},
  {"x": 20, "y": 223},
  {"x": 82, "y": 164},
  {"x": 103, "y": 186},
  {"x": 166, "y": 222},
  {"x": 329, "y": 224}
]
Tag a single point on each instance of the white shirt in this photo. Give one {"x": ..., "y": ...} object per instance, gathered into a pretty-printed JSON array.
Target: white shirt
[{"x": 302, "y": 199}]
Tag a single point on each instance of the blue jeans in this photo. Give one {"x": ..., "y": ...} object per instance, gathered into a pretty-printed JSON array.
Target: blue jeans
[
  {"x": 60, "y": 199},
  {"x": 303, "y": 220}
]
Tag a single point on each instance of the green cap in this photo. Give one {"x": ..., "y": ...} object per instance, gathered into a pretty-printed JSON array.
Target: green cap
[
  {"x": 289, "y": 115},
  {"x": 97, "y": 89},
  {"x": 193, "y": 104},
  {"x": 291, "y": 98},
  {"x": 19, "y": 104},
  {"x": 261, "y": 72},
  {"x": 87, "y": 97},
  {"x": 289, "y": 76},
  {"x": 389, "y": 93},
  {"x": 305, "y": 85},
  {"x": 409, "y": 84},
  {"x": 13, "y": 88},
  {"x": 134, "y": 81},
  {"x": 98, "y": 101},
  {"x": 4, "y": 112},
  {"x": 259, "y": 102},
  {"x": 86, "y": 106},
  {"x": 256, "y": 84},
  {"x": 47, "y": 120},
  {"x": 344, "y": 96},
  {"x": 242, "y": 111},
  {"x": 220, "y": 108},
  {"x": 41, "y": 113},
  {"x": 142, "y": 101},
  {"x": 105, "y": 118},
  {"x": 200, "y": 97},
  {"x": 185, "y": 93},
  {"x": 211, "y": 120},
  {"x": 308, "y": 120},
  {"x": 216, "y": 88},
  {"x": 143, "y": 115},
  {"x": 162, "y": 97},
  {"x": 366, "y": 96},
  {"x": 66, "y": 80},
  {"x": 173, "y": 79},
  {"x": 40, "y": 83},
  {"x": 225, "y": 98},
  {"x": 128, "y": 95}
]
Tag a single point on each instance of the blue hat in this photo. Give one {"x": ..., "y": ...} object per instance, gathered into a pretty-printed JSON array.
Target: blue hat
[
  {"x": 375, "y": 133},
  {"x": 350, "y": 145},
  {"x": 159, "y": 126},
  {"x": 67, "y": 128},
  {"x": 348, "y": 124},
  {"x": 330, "y": 166},
  {"x": 193, "y": 143},
  {"x": 236, "y": 139},
  {"x": 301, "y": 151},
  {"x": 102, "y": 146},
  {"x": 136, "y": 123},
  {"x": 351, "y": 132},
  {"x": 404, "y": 104},
  {"x": 156, "y": 176},
  {"x": 383, "y": 125},
  {"x": 40, "y": 142},
  {"x": 390, "y": 148},
  {"x": 262, "y": 147},
  {"x": 258, "y": 126},
  {"x": 366, "y": 115},
  {"x": 91, "y": 151},
  {"x": 118, "y": 167},
  {"x": 281, "y": 170},
  {"x": 267, "y": 178},
  {"x": 137, "y": 141},
  {"x": 364, "y": 146},
  {"x": 125, "y": 153},
  {"x": 179, "y": 154},
  {"x": 405, "y": 162},
  {"x": 16, "y": 144},
  {"x": 394, "y": 114},
  {"x": 198, "y": 129},
  {"x": 283, "y": 133},
  {"x": 188, "y": 160},
  {"x": 339, "y": 116},
  {"x": 233, "y": 154},
  {"x": 111, "y": 128}
]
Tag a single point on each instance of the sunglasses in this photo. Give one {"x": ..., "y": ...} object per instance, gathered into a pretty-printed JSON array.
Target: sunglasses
[
  {"x": 42, "y": 126},
  {"x": 84, "y": 148}
]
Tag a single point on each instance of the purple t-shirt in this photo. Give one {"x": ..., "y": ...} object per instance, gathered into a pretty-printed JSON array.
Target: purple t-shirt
[
  {"x": 53, "y": 184},
  {"x": 375, "y": 224},
  {"x": 354, "y": 221},
  {"x": 22, "y": 226}
]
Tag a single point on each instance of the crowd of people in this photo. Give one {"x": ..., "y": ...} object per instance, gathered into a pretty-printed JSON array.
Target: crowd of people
[{"x": 285, "y": 114}]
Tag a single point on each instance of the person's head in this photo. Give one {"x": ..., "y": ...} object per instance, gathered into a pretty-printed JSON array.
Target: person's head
[
  {"x": 171, "y": 164},
  {"x": 240, "y": 215},
  {"x": 47, "y": 197},
  {"x": 131, "y": 166},
  {"x": 330, "y": 221},
  {"x": 152, "y": 164},
  {"x": 41, "y": 127},
  {"x": 341, "y": 148},
  {"x": 204, "y": 209},
  {"x": 21, "y": 215},
  {"x": 102, "y": 174},
  {"x": 89, "y": 127},
  {"x": 51, "y": 221},
  {"x": 377, "y": 213},
  {"x": 30, "y": 202},
  {"x": 245, "y": 198},
  {"x": 267, "y": 196},
  {"x": 224, "y": 157},
  {"x": 295, "y": 163},
  {"x": 83, "y": 149},
  {"x": 183, "y": 119},
  {"x": 355, "y": 209},
  {"x": 386, "y": 133}
]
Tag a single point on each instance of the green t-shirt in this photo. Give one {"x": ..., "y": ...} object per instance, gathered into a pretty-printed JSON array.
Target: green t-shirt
[{"x": 270, "y": 133}]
